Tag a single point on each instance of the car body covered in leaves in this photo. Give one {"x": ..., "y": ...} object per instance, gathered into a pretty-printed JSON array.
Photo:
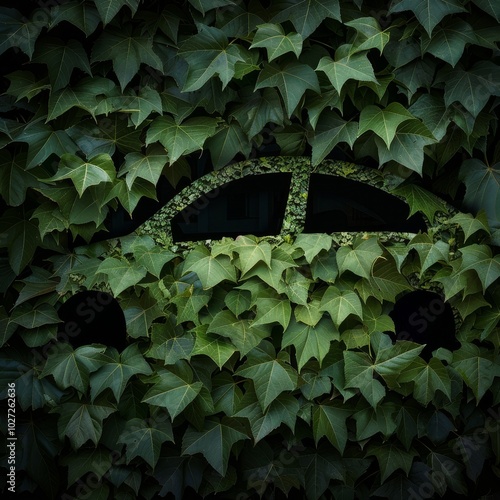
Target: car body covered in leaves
[{"x": 286, "y": 344}]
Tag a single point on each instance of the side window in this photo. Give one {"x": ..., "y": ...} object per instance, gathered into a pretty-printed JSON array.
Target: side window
[
  {"x": 338, "y": 204},
  {"x": 252, "y": 205}
]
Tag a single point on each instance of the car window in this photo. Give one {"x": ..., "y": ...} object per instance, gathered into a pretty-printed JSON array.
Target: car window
[{"x": 336, "y": 204}]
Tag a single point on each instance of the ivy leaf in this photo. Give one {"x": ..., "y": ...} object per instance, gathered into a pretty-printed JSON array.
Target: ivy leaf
[
  {"x": 121, "y": 273},
  {"x": 144, "y": 439},
  {"x": 170, "y": 344},
  {"x": 252, "y": 252},
  {"x": 44, "y": 141},
  {"x": 428, "y": 378},
  {"x": 72, "y": 368},
  {"x": 190, "y": 302},
  {"x": 173, "y": 391},
  {"x": 17, "y": 31},
  {"x": 129, "y": 198},
  {"x": 209, "y": 53},
  {"x": 360, "y": 258},
  {"x": 306, "y": 15},
  {"x": 375, "y": 320},
  {"x": 471, "y": 225},
  {"x": 272, "y": 37},
  {"x": 479, "y": 258},
  {"x": 84, "y": 174},
  {"x": 324, "y": 466},
  {"x": 324, "y": 267},
  {"x": 28, "y": 316},
  {"x": 407, "y": 146},
  {"x": 358, "y": 370},
  {"x": 205, "y": 6},
  {"x": 210, "y": 270},
  {"x": 216, "y": 348},
  {"x": 83, "y": 462},
  {"x": 309, "y": 313},
  {"x": 355, "y": 67},
  {"x": 310, "y": 341},
  {"x": 14, "y": 179},
  {"x": 331, "y": 130},
  {"x": 490, "y": 7},
  {"x": 237, "y": 301},
  {"x": 153, "y": 259},
  {"x": 482, "y": 183},
  {"x": 391, "y": 457},
  {"x": 109, "y": 8},
  {"x": 368, "y": 34},
  {"x": 227, "y": 143},
  {"x": 61, "y": 59},
  {"x": 271, "y": 376},
  {"x": 429, "y": 252},
  {"x": 126, "y": 49},
  {"x": 292, "y": 80},
  {"x": 383, "y": 122},
  {"x": 81, "y": 421},
  {"x": 84, "y": 16},
  {"x": 181, "y": 139},
  {"x": 340, "y": 304},
  {"x": 215, "y": 441},
  {"x": 415, "y": 75},
  {"x": 25, "y": 85},
  {"x": 116, "y": 373},
  {"x": 433, "y": 113},
  {"x": 472, "y": 88},
  {"x": 330, "y": 420},
  {"x": 420, "y": 200},
  {"x": 244, "y": 334},
  {"x": 429, "y": 12},
  {"x": 271, "y": 310}
]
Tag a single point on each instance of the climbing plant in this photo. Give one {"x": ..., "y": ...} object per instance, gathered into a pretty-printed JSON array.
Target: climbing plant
[{"x": 256, "y": 367}]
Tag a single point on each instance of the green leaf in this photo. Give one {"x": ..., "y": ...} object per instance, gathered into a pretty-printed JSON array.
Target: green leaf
[
  {"x": 324, "y": 466},
  {"x": 153, "y": 259},
  {"x": 204, "y": 6},
  {"x": 429, "y": 12},
  {"x": 309, "y": 313},
  {"x": 472, "y": 88},
  {"x": 237, "y": 301},
  {"x": 359, "y": 371},
  {"x": 44, "y": 141},
  {"x": 18, "y": 31},
  {"x": 210, "y": 270},
  {"x": 273, "y": 38},
  {"x": 7, "y": 328},
  {"x": 324, "y": 267},
  {"x": 28, "y": 316},
  {"x": 490, "y": 7},
  {"x": 212, "y": 345},
  {"x": 306, "y": 15},
  {"x": 252, "y": 252},
  {"x": 428, "y": 378},
  {"x": 84, "y": 16},
  {"x": 81, "y": 421},
  {"x": 331, "y": 130},
  {"x": 429, "y": 252},
  {"x": 471, "y": 225},
  {"x": 271, "y": 376},
  {"x": 383, "y": 122},
  {"x": 243, "y": 333},
  {"x": 181, "y": 139},
  {"x": 339, "y": 71},
  {"x": 407, "y": 146},
  {"x": 359, "y": 259},
  {"x": 61, "y": 59},
  {"x": 329, "y": 420},
  {"x": 209, "y": 53},
  {"x": 126, "y": 49},
  {"x": 433, "y": 112},
  {"x": 14, "y": 179},
  {"x": 479, "y": 258},
  {"x": 273, "y": 310},
  {"x": 482, "y": 183},
  {"x": 144, "y": 439},
  {"x": 215, "y": 441},
  {"x": 81, "y": 462},
  {"x": 292, "y": 80},
  {"x": 121, "y": 273},
  {"x": 420, "y": 200},
  {"x": 340, "y": 304},
  {"x": 449, "y": 40},
  {"x": 24, "y": 85},
  {"x": 109, "y": 8},
  {"x": 72, "y": 368},
  {"x": 476, "y": 369},
  {"x": 173, "y": 391},
  {"x": 227, "y": 143},
  {"x": 129, "y": 198},
  {"x": 310, "y": 341},
  {"x": 368, "y": 34},
  {"x": 391, "y": 457},
  {"x": 375, "y": 320},
  {"x": 84, "y": 174},
  {"x": 169, "y": 343},
  {"x": 116, "y": 373},
  {"x": 415, "y": 75}
]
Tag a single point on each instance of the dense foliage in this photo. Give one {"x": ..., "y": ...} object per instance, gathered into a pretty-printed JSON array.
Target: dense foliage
[{"x": 255, "y": 367}]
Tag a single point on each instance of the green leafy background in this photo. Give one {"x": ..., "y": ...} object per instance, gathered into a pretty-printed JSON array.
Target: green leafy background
[{"x": 256, "y": 367}]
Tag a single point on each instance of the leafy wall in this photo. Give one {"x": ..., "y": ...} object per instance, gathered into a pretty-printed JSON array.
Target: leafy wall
[{"x": 104, "y": 99}]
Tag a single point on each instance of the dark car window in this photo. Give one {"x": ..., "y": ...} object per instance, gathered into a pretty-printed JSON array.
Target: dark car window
[
  {"x": 337, "y": 204},
  {"x": 252, "y": 205}
]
